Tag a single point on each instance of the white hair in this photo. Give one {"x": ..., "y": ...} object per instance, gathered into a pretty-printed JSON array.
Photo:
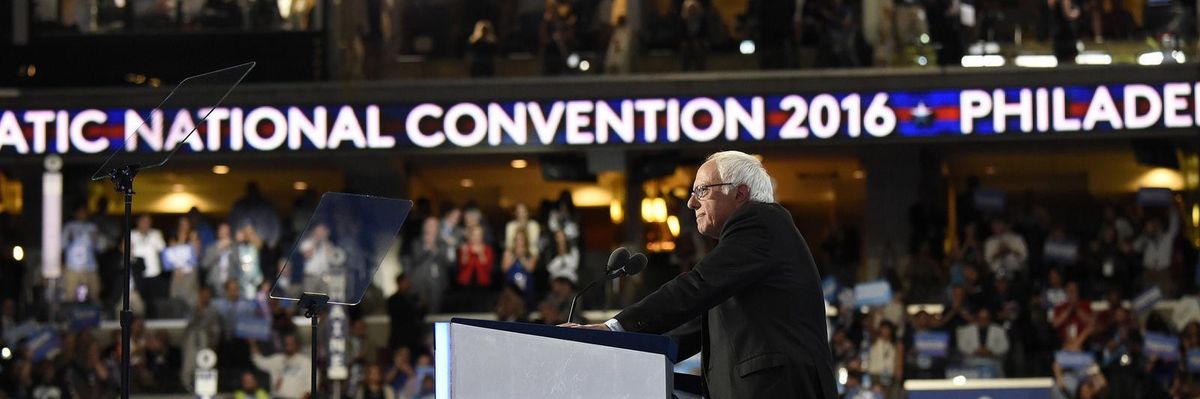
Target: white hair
[{"x": 740, "y": 168}]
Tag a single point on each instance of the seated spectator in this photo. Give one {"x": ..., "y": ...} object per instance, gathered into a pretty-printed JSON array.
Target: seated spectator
[
  {"x": 920, "y": 365},
  {"x": 219, "y": 261},
  {"x": 80, "y": 239},
  {"x": 401, "y": 373},
  {"x": 1005, "y": 251},
  {"x": 1074, "y": 316},
  {"x": 145, "y": 246},
  {"x": 983, "y": 345},
  {"x": 510, "y": 306},
  {"x": 249, "y": 389},
  {"x": 373, "y": 387},
  {"x": 289, "y": 370},
  {"x": 1121, "y": 338},
  {"x": 405, "y": 319},
  {"x": 247, "y": 253},
  {"x": 1054, "y": 294},
  {"x": 844, "y": 348},
  {"x": 522, "y": 222},
  {"x": 565, "y": 263},
  {"x": 1157, "y": 248},
  {"x": 430, "y": 266},
  {"x": 475, "y": 260},
  {"x": 518, "y": 265},
  {"x": 1110, "y": 262},
  {"x": 203, "y": 331},
  {"x": 181, "y": 258},
  {"x": 885, "y": 360}
]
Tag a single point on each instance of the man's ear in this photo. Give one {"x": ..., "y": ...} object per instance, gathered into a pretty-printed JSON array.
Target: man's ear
[{"x": 743, "y": 193}]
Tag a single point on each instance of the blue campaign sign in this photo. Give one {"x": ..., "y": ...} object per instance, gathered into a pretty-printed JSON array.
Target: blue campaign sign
[
  {"x": 1071, "y": 360},
  {"x": 253, "y": 327},
  {"x": 44, "y": 344},
  {"x": 1165, "y": 347},
  {"x": 932, "y": 343},
  {"x": 1146, "y": 300},
  {"x": 829, "y": 287},
  {"x": 875, "y": 293},
  {"x": 989, "y": 200},
  {"x": 85, "y": 316},
  {"x": 1193, "y": 360},
  {"x": 1154, "y": 196}
]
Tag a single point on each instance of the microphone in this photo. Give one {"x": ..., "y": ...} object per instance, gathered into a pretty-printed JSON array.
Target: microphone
[
  {"x": 617, "y": 260},
  {"x": 637, "y": 263},
  {"x": 619, "y": 264}
]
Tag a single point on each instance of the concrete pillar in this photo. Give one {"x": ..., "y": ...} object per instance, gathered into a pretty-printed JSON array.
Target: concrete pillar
[{"x": 897, "y": 178}]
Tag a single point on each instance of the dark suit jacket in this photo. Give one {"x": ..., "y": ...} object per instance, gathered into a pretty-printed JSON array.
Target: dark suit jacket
[{"x": 753, "y": 308}]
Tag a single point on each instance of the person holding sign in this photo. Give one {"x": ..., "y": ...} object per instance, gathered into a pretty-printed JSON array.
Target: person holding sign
[{"x": 753, "y": 307}]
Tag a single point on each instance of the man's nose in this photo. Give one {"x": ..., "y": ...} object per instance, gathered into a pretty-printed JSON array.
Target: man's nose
[{"x": 693, "y": 203}]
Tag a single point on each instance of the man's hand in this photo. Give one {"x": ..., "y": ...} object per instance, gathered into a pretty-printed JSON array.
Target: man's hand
[{"x": 600, "y": 326}]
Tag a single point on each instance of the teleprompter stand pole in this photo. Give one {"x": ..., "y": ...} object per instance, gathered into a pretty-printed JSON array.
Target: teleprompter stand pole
[
  {"x": 122, "y": 179},
  {"x": 312, "y": 303}
]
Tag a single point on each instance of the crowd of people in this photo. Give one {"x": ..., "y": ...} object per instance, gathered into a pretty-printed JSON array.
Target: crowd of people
[
  {"x": 220, "y": 280},
  {"x": 1029, "y": 297}
]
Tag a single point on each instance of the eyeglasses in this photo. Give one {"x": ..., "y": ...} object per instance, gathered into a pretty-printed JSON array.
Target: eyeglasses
[{"x": 701, "y": 192}]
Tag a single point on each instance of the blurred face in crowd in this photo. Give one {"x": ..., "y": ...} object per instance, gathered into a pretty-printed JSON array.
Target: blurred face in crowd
[
  {"x": 454, "y": 216},
  {"x": 472, "y": 217},
  {"x": 424, "y": 360},
  {"x": 885, "y": 332},
  {"x": 713, "y": 210},
  {"x": 921, "y": 320},
  {"x": 970, "y": 273},
  {"x": 289, "y": 345},
  {"x": 521, "y": 243},
  {"x": 1121, "y": 316},
  {"x": 1072, "y": 292},
  {"x": 402, "y": 356},
  {"x": 249, "y": 383},
  {"x": 144, "y": 223},
  {"x": 1054, "y": 278},
  {"x": 475, "y": 236},
  {"x": 999, "y": 227},
  {"x": 984, "y": 317},
  {"x": 521, "y": 212},
  {"x": 231, "y": 290},
  {"x": 81, "y": 213},
  {"x": 374, "y": 376},
  {"x": 223, "y": 232},
  {"x": 429, "y": 229},
  {"x": 970, "y": 233},
  {"x": 203, "y": 297},
  {"x": 320, "y": 232},
  {"x": 1153, "y": 226}
]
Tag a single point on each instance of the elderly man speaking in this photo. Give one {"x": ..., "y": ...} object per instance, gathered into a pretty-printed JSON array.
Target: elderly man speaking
[{"x": 753, "y": 307}]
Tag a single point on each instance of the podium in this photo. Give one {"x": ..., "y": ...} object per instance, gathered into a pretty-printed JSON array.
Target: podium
[{"x": 490, "y": 359}]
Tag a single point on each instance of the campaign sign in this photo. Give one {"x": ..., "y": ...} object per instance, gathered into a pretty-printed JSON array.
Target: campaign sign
[
  {"x": 1165, "y": 347},
  {"x": 44, "y": 344},
  {"x": 1146, "y": 300},
  {"x": 829, "y": 287},
  {"x": 932, "y": 343},
  {"x": 252, "y": 327},
  {"x": 875, "y": 293},
  {"x": 1061, "y": 251},
  {"x": 85, "y": 317},
  {"x": 1154, "y": 196},
  {"x": 1071, "y": 360},
  {"x": 989, "y": 200}
]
